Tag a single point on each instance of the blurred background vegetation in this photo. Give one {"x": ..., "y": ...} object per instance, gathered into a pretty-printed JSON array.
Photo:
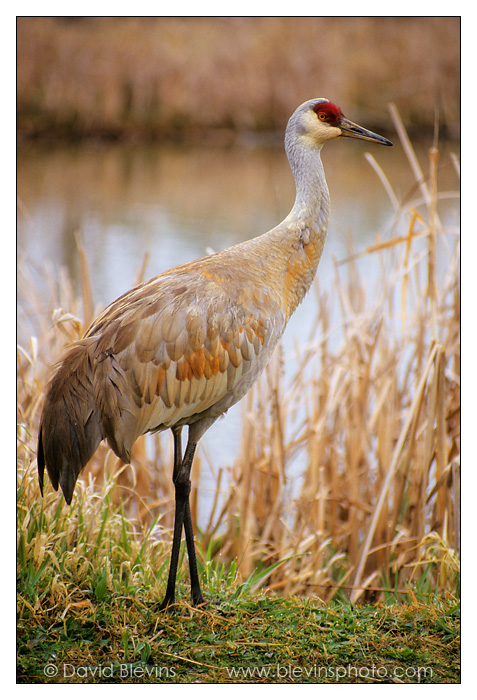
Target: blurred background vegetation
[{"x": 181, "y": 77}]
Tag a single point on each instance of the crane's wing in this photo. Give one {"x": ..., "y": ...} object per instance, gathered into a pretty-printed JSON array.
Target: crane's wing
[{"x": 185, "y": 346}]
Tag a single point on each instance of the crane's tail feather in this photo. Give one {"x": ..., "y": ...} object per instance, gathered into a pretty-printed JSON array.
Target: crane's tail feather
[{"x": 70, "y": 429}]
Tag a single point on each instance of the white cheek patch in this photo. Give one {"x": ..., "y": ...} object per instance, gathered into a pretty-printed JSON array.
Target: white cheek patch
[{"x": 317, "y": 132}]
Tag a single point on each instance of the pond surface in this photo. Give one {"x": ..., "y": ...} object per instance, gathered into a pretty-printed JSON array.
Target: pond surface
[{"x": 177, "y": 204}]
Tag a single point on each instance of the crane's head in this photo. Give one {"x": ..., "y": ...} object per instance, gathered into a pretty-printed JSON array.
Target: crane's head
[{"x": 317, "y": 121}]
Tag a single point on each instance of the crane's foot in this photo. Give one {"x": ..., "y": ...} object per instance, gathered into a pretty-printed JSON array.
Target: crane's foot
[
  {"x": 200, "y": 604},
  {"x": 197, "y": 599},
  {"x": 197, "y": 602},
  {"x": 168, "y": 602}
]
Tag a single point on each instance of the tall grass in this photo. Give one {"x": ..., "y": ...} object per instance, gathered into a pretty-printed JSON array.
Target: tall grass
[
  {"x": 183, "y": 75},
  {"x": 347, "y": 482}
]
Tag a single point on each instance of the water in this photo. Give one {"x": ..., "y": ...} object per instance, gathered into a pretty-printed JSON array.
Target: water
[{"x": 177, "y": 204}]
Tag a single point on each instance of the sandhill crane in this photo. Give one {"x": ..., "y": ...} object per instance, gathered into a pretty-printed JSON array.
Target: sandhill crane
[{"x": 184, "y": 347}]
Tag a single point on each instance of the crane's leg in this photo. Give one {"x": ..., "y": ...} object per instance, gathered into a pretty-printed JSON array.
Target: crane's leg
[
  {"x": 178, "y": 521},
  {"x": 181, "y": 479},
  {"x": 196, "y": 593}
]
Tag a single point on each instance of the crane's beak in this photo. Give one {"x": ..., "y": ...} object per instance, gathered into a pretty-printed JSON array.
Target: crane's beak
[{"x": 357, "y": 132}]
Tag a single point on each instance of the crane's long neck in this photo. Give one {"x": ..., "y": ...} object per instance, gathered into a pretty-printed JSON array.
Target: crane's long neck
[
  {"x": 312, "y": 197},
  {"x": 301, "y": 236}
]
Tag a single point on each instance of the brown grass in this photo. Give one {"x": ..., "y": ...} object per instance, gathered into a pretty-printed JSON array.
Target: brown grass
[
  {"x": 183, "y": 75},
  {"x": 349, "y": 471}
]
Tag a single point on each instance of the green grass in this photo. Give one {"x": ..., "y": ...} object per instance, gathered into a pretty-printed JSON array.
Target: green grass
[
  {"x": 124, "y": 638},
  {"x": 89, "y": 590}
]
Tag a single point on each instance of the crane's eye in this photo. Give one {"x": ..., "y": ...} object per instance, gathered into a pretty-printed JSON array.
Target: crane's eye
[{"x": 322, "y": 116}]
